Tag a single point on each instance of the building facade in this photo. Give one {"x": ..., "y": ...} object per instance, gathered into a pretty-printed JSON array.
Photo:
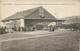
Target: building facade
[{"x": 32, "y": 19}]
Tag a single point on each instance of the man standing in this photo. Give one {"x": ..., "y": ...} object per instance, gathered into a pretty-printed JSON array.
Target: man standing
[{"x": 51, "y": 26}]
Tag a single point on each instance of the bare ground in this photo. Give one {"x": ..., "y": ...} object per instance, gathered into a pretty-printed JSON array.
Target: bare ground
[{"x": 64, "y": 41}]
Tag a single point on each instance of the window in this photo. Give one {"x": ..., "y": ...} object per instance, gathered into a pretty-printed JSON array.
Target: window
[{"x": 41, "y": 12}]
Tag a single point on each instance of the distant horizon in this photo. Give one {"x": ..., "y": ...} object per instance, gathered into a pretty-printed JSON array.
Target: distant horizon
[{"x": 57, "y": 9}]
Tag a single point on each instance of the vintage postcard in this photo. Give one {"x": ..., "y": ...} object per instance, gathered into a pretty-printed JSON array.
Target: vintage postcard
[{"x": 39, "y": 25}]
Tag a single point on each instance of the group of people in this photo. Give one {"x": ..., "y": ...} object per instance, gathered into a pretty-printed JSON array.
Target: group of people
[
  {"x": 8, "y": 29},
  {"x": 11, "y": 29},
  {"x": 19, "y": 29},
  {"x": 51, "y": 28},
  {"x": 2, "y": 30}
]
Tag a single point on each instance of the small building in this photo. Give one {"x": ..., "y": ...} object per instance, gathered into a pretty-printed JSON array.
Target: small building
[
  {"x": 72, "y": 23},
  {"x": 35, "y": 18}
]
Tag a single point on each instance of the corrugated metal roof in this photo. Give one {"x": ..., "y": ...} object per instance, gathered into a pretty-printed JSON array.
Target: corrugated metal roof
[{"x": 31, "y": 14}]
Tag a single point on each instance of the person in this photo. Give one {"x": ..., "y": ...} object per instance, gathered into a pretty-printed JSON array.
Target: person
[
  {"x": 50, "y": 28},
  {"x": 53, "y": 29},
  {"x": 33, "y": 28},
  {"x": 19, "y": 28}
]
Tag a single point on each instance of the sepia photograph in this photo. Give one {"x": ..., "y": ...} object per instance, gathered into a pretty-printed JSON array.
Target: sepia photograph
[{"x": 39, "y": 25}]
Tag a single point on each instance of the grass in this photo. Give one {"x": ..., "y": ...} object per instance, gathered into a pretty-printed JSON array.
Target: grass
[{"x": 63, "y": 42}]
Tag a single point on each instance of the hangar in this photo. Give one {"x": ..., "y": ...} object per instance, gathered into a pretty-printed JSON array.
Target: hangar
[{"x": 37, "y": 17}]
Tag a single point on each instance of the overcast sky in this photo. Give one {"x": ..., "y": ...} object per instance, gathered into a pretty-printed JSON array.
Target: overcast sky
[{"x": 59, "y": 8}]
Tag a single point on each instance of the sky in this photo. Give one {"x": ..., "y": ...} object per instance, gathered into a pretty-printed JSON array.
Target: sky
[{"x": 59, "y": 8}]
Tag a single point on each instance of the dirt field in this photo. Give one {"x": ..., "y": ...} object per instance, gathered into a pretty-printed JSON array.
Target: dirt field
[{"x": 48, "y": 41}]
